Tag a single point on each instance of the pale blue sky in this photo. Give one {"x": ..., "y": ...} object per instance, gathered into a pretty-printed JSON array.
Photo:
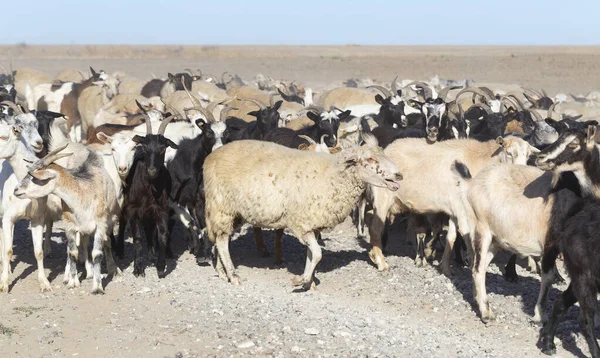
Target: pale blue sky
[{"x": 374, "y": 22}]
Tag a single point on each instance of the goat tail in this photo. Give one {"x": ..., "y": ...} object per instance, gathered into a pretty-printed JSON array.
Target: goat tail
[{"x": 461, "y": 171}]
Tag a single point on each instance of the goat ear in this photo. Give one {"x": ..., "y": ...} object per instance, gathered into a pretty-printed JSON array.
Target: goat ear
[
  {"x": 171, "y": 144},
  {"x": 303, "y": 146},
  {"x": 277, "y": 105},
  {"x": 17, "y": 129},
  {"x": 530, "y": 99},
  {"x": 98, "y": 83},
  {"x": 379, "y": 99},
  {"x": 138, "y": 139},
  {"x": 313, "y": 117},
  {"x": 103, "y": 137},
  {"x": 44, "y": 174},
  {"x": 500, "y": 141},
  {"x": 200, "y": 122},
  {"x": 590, "y": 141},
  {"x": 254, "y": 113},
  {"x": 94, "y": 73},
  {"x": 171, "y": 77},
  {"x": 399, "y": 92},
  {"x": 551, "y": 122},
  {"x": 344, "y": 115}
]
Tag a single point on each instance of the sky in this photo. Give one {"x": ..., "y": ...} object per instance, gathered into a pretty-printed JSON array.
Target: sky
[{"x": 301, "y": 22}]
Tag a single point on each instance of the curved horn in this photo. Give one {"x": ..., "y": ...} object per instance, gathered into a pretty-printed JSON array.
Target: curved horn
[
  {"x": 207, "y": 114},
  {"x": 141, "y": 107},
  {"x": 489, "y": 92},
  {"x": 551, "y": 110},
  {"x": 536, "y": 93},
  {"x": 461, "y": 111},
  {"x": 224, "y": 111},
  {"x": 516, "y": 99},
  {"x": 382, "y": 89},
  {"x": 544, "y": 93},
  {"x": 535, "y": 114},
  {"x": 485, "y": 107},
  {"x": 315, "y": 108},
  {"x": 189, "y": 71},
  {"x": 163, "y": 124},
  {"x": 4, "y": 69},
  {"x": 394, "y": 86},
  {"x": 323, "y": 138},
  {"x": 308, "y": 139},
  {"x": 193, "y": 99},
  {"x": 443, "y": 93},
  {"x": 231, "y": 78},
  {"x": 54, "y": 155},
  {"x": 24, "y": 106},
  {"x": 174, "y": 110},
  {"x": 475, "y": 90},
  {"x": 426, "y": 89},
  {"x": 256, "y": 102},
  {"x": 12, "y": 106}
]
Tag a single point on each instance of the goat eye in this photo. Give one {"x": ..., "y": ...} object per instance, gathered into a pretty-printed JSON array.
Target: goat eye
[{"x": 573, "y": 145}]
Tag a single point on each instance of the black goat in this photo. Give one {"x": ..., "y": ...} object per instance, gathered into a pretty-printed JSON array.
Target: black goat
[
  {"x": 186, "y": 176},
  {"x": 326, "y": 124},
  {"x": 153, "y": 87},
  {"x": 267, "y": 119},
  {"x": 541, "y": 102},
  {"x": 147, "y": 191}
]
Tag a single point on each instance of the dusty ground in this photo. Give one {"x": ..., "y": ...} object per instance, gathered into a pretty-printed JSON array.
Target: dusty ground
[{"x": 355, "y": 311}]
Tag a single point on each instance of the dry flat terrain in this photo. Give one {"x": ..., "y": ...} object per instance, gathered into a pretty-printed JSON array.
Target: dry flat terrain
[{"x": 355, "y": 310}]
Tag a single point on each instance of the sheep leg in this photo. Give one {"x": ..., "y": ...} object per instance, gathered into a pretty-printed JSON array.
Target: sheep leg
[
  {"x": 483, "y": 254},
  {"x": 222, "y": 245},
  {"x": 313, "y": 255},
  {"x": 586, "y": 292},
  {"x": 97, "y": 254},
  {"x": 162, "y": 232},
  {"x": 218, "y": 264},
  {"x": 278, "y": 250},
  {"x": 450, "y": 239},
  {"x": 73, "y": 253},
  {"x": 362, "y": 207},
  {"x": 562, "y": 304},
  {"x": 510, "y": 270},
  {"x": 260, "y": 244},
  {"x": 138, "y": 267},
  {"x": 48, "y": 238},
  {"x": 37, "y": 234},
  {"x": 7, "y": 252},
  {"x": 382, "y": 203}
]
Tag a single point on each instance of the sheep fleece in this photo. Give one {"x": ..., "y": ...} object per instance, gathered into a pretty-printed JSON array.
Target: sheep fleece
[{"x": 270, "y": 186}]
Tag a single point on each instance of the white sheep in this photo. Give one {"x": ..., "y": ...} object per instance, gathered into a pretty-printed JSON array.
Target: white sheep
[{"x": 271, "y": 186}]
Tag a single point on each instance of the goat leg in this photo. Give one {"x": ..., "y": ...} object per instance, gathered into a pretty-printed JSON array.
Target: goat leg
[
  {"x": 138, "y": 268},
  {"x": 510, "y": 270},
  {"x": 563, "y": 302},
  {"x": 162, "y": 235}
]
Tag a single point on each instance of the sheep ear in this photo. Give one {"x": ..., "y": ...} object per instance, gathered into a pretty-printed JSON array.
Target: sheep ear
[
  {"x": 103, "y": 137},
  {"x": 335, "y": 150},
  {"x": 171, "y": 144},
  {"x": 590, "y": 141},
  {"x": 44, "y": 174},
  {"x": 303, "y": 146},
  {"x": 500, "y": 141}
]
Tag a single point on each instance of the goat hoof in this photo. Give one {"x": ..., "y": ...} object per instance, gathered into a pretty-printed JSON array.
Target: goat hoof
[
  {"x": 4, "y": 287},
  {"x": 137, "y": 272},
  {"x": 548, "y": 346},
  {"x": 73, "y": 283},
  {"x": 419, "y": 262},
  {"x": 45, "y": 286},
  {"x": 98, "y": 291},
  {"x": 235, "y": 279},
  {"x": 161, "y": 274},
  {"x": 488, "y": 317}
]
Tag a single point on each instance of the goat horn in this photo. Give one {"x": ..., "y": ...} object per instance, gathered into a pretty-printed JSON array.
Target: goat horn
[
  {"x": 189, "y": 71},
  {"x": 173, "y": 109},
  {"x": 535, "y": 114},
  {"x": 395, "y": 86},
  {"x": 163, "y": 124},
  {"x": 208, "y": 114},
  {"x": 551, "y": 110},
  {"x": 24, "y": 106},
  {"x": 536, "y": 93},
  {"x": 141, "y": 107},
  {"x": 12, "y": 106},
  {"x": 544, "y": 93},
  {"x": 426, "y": 89},
  {"x": 461, "y": 111},
  {"x": 193, "y": 99},
  {"x": 256, "y": 102},
  {"x": 485, "y": 107},
  {"x": 475, "y": 90},
  {"x": 4, "y": 69},
  {"x": 231, "y": 78},
  {"x": 54, "y": 155},
  {"x": 517, "y": 100},
  {"x": 489, "y": 92},
  {"x": 148, "y": 124},
  {"x": 323, "y": 138},
  {"x": 443, "y": 93},
  {"x": 315, "y": 108},
  {"x": 309, "y": 139},
  {"x": 382, "y": 89},
  {"x": 224, "y": 111}
]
